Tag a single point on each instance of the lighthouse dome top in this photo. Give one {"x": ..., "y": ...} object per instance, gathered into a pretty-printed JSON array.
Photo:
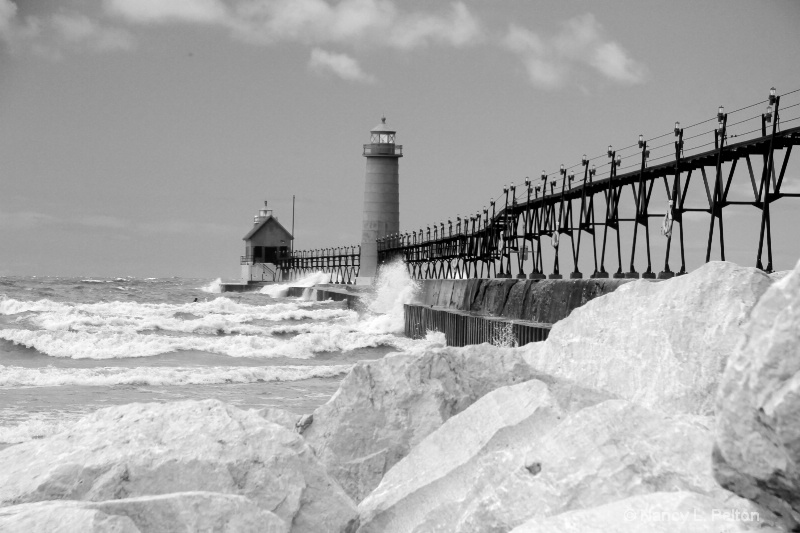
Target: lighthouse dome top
[
  {"x": 382, "y": 134},
  {"x": 382, "y": 127}
]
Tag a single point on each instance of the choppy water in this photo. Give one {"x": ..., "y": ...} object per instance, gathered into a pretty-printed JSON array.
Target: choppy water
[{"x": 69, "y": 346}]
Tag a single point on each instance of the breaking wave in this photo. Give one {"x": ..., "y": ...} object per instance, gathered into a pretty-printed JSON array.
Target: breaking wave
[
  {"x": 214, "y": 287},
  {"x": 105, "y": 376},
  {"x": 293, "y": 328},
  {"x": 280, "y": 290},
  {"x": 110, "y": 345}
]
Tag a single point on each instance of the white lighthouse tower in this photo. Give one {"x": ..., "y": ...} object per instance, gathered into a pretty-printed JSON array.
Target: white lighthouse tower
[{"x": 381, "y": 197}]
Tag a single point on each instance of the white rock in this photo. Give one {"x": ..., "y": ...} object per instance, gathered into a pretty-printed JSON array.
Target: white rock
[
  {"x": 278, "y": 416},
  {"x": 61, "y": 517},
  {"x": 594, "y": 456},
  {"x": 660, "y": 344},
  {"x": 501, "y": 420},
  {"x": 385, "y": 407},
  {"x": 661, "y": 512},
  {"x": 169, "y": 513},
  {"x": 758, "y": 406},
  {"x": 150, "y": 449},
  {"x": 777, "y": 276}
]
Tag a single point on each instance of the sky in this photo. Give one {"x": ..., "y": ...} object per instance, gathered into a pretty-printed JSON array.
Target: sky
[{"x": 140, "y": 137}]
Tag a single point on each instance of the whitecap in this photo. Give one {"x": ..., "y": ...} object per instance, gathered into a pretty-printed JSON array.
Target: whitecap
[
  {"x": 119, "y": 345},
  {"x": 282, "y": 289},
  {"x": 11, "y": 376}
]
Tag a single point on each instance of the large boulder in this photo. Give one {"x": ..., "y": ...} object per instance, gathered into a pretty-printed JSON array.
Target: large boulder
[
  {"x": 660, "y": 512},
  {"x": 150, "y": 449},
  {"x": 169, "y": 513},
  {"x": 383, "y": 408},
  {"x": 757, "y": 451},
  {"x": 545, "y": 464},
  {"x": 61, "y": 517},
  {"x": 663, "y": 345},
  {"x": 502, "y": 419}
]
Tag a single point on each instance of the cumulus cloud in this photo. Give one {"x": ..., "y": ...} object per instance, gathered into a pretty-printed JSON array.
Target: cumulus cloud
[
  {"x": 49, "y": 36},
  {"x": 581, "y": 43},
  {"x": 313, "y": 22},
  {"x": 341, "y": 65},
  {"x": 8, "y": 11},
  {"x": 12, "y": 30},
  {"x": 79, "y": 29},
  {"x": 147, "y": 11},
  {"x": 458, "y": 28}
]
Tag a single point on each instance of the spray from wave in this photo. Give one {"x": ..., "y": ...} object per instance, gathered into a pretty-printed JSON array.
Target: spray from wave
[
  {"x": 214, "y": 287},
  {"x": 393, "y": 288},
  {"x": 280, "y": 290}
]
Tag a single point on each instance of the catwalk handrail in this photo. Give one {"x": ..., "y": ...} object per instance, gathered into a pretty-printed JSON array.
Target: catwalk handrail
[
  {"x": 341, "y": 262},
  {"x": 485, "y": 238}
]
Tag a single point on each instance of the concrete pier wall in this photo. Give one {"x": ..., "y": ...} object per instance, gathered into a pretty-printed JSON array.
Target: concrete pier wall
[
  {"x": 461, "y": 328},
  {"x": 544, "y": 301},
  {"x": 320, "y": 293},
  {"x": 485, "y": 310}
]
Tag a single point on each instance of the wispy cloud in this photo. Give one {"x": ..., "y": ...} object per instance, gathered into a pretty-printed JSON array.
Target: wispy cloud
[
  {"x": 25, "y": 220},
  {"x": 357, "y": 24},
  {"x": 580, "y": 46},
  {"x": 458, "y": 28},
  {"x": 102, "y": 221},
  {"x": 81, "y": 30},
  {"x": 150, "y": 11},
  {"x": 30, "y": 220},
  {"x": 314, "y": 22},
  {"x": 50, "y": 36},
  {"x": 341, "y": 65},
  {"x": 8, "y": 11},
  {"x": 581, "y": 43},
  {"x": 187, "y": 227}
]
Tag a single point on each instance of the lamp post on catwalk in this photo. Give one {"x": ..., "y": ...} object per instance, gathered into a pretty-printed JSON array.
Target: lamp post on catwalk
[{"x": 381, "y": 197}]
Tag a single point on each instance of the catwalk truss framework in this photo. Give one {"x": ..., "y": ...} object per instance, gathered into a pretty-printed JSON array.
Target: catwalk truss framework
[
  {"x": 493, "y": 244},
  {"x": 340, "y": 262}
]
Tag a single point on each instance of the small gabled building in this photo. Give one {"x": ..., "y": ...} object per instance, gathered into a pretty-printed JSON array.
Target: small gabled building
[{"x": 266, "y": 243}]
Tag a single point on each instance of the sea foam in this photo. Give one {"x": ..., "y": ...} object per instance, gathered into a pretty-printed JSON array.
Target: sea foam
[
  {"x": 104, "y": 376},
  {"x": 128, "y": 329},
  {"x": 112, "y": 345},
  {"x": 280, "y": 290}
]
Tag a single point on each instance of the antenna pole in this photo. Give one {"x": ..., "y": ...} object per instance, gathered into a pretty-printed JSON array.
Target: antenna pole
[{"x": 292, "y": 243}]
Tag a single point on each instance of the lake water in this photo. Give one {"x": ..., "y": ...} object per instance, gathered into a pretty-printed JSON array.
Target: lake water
[{"x": 69, "y": 346}]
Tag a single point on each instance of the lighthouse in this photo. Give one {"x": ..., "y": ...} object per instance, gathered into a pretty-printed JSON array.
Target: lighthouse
[{"x": 381, "y": 197}]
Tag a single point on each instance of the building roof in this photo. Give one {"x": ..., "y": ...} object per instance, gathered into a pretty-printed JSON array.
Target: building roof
[
  {"x": 257, "y": 227},
  {"x": 382, "y": 127}
]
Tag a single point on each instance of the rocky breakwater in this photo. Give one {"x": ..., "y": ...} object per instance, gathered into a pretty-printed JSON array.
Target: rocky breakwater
[
  {"x": 662, "y": 344},
  {"x": 184, "y": 466},
  {"x": 757, "y": 453},
  {"x": 614, "y": 432},
  {"x": 623, "y": 420},
  {"x": 386, "y": 407}
]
